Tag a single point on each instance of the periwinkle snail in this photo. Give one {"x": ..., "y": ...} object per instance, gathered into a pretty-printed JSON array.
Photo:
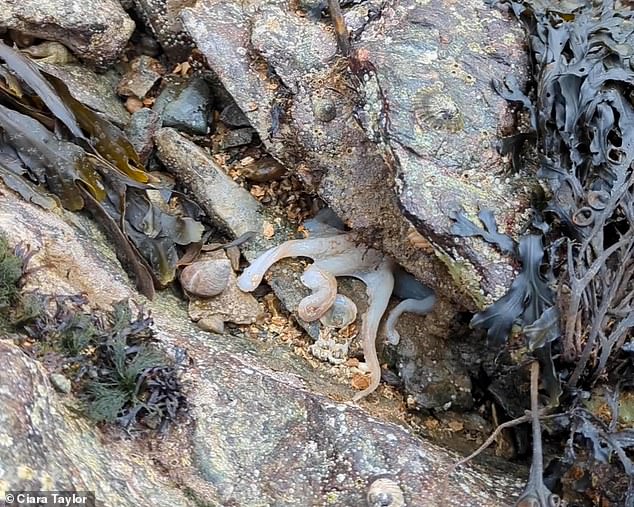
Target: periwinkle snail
[{"x": 206, "y": 278}]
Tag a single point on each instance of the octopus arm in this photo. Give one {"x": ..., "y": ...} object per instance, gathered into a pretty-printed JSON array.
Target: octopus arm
[
  {"x": 380, "y": 284},
  {"x": 323, "y": 285},
  {"x": 417, "y": 306},
  {"x": 313, "y": 248}
]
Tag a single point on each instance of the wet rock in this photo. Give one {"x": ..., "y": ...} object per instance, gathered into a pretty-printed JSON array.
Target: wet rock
[
  {"x": 92, "y": 89},
  {"x": 234, "y": 138},
  {"x": 144, "y": 124},
  {"x": 386, "y": 150},
  {"x": 233, "y": 116},
  {"x": 252, "y": 409},
  {"x": 60, "y": 382},
  {"x": 95, "y": 30},
  {"x": 144, "y": 72},
  {"x": 162, "y": 18},
  {"x": 433, "y": 375},
  {"x": 189, "y": 112}
]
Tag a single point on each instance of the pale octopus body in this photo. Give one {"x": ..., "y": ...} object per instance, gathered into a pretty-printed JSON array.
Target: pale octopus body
[{"x": 335, "y": 253}]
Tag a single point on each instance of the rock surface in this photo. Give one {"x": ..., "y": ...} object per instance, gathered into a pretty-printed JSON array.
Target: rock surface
[
  {"x": 95, "y": 30},
  {"x": 260, "y": 430},
  {"x": 347, "y": 133}
]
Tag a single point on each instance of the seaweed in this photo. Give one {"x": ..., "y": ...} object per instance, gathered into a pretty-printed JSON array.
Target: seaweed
[
  {"x": 11, "y": 269},
  {"x": 121, "y": 374},
  {"x": 465, "y": 227},
  {"x": 56, "y": 151}
]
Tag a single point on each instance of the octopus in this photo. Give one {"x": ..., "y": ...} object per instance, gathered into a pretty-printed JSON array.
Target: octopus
[{"x": 336, "y": 253}]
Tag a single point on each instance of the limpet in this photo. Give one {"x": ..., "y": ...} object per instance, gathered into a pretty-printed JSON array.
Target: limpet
[
  {"x": 434, "y": 108},
  {"x": 385, "y": 492}
]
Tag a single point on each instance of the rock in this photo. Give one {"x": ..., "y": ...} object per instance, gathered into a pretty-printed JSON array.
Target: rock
[
  {"x": 45, "y": 446},
  {"x": 162, "y": 18},
  {"x": 189, "y": 112},
  {"x": 260, "y": 431},
  {"x": 234, "y": 138},
  {"x": 143, "y": 126},
  {"x": 60, "y": 382},
  {"x": 95, "y": 30},
  {"x": 144, "y": 72},
  {"x": 94, "y": 90},
  {"x": 233, "y": 116},
  {"x": 370, "y": 142}
]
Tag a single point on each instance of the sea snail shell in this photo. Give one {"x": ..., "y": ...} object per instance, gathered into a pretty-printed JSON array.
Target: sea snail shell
[
  {"x": 385, "y": 492},
  {"x": 206, "y": 278}
]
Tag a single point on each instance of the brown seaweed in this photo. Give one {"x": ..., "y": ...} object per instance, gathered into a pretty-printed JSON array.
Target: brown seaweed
[{"x": 92, "y": 165}]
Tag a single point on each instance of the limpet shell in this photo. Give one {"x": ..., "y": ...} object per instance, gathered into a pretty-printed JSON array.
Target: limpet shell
[
  {"x": 324, "y": 109},
  {"x": 434, "y": 108},
  {"x": 206, "y": 278},
  {"x": 385, "y": 492}
]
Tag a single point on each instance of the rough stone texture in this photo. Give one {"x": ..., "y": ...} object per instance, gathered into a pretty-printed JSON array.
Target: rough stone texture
[
  {"x": 45, "y": 446},
  {"x": 92, "y": 89},
  {"x": 143, "y": 73},
  {"x": 144, "y": 124},
  {"x": 95, "y": 30},
  {"x": 161, "y": 17},
  {"x": 259, "y": 430},
  {"x": 405, "y": 51}
]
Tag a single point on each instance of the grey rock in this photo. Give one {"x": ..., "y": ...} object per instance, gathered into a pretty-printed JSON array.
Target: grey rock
[
  {"x": 60, "y": 382},
  {"x": 144, "y": 124},
  {"x": 94, "y": 90},
  {"x": 391, "y": 159},
  {"x": 144, "y": 72},
  {"x": 260, "y": 431},
  {"x": 189, "y": 112},
  {"x": 233, "y": 116},
  {"x": 46, "y": 447},
  {"x": 95, "y": 30},
  {"x": 234, "y": 138},
  {"x": 161, "y": 17}
]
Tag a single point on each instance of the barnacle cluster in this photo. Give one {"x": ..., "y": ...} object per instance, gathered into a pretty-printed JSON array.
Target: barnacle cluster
[{"x": 336, "y": 253}]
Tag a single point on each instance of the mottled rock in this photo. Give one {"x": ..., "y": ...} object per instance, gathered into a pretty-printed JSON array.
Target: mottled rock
[
  {"x": 92, "y": 89},
  {"x": 60, "y": 382},
  {"x": 260, "y": 430},
  {"x": 162, "y": 18},
  {"x": 402, "y": 140},
  {"x": 233, "y": 116},
  {"x": 45, "y": 446},
  {"x": 143, "y": 74},
  {"x": 95, "y": 30},
  {"x": 143, "y": 126},
  {"x": 189, "y": 111}
]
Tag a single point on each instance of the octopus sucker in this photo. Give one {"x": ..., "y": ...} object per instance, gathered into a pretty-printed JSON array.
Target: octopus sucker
[
  {"x": 435, "y": 108},
  {"x": 336, "y": 253}
]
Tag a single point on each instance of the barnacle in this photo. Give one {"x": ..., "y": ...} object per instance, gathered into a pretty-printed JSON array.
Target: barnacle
[
  {"x": 335, "y": 253},
  {"x": 434, "y": 107}
]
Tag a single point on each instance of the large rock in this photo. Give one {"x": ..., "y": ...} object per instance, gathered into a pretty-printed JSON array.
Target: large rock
[
  {"x": 261, "y": 430},
  {"x": 402, "y": 141},
  {"x": 95, "y": 30}
]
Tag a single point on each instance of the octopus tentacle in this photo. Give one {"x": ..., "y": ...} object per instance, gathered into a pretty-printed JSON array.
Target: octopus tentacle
[
  {"x": 417, "y": 306},
  {"x": 324, "y": 291}
]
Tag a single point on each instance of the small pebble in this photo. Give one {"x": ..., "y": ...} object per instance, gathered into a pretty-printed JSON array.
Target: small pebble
[{"x": 60, "y": 383}]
